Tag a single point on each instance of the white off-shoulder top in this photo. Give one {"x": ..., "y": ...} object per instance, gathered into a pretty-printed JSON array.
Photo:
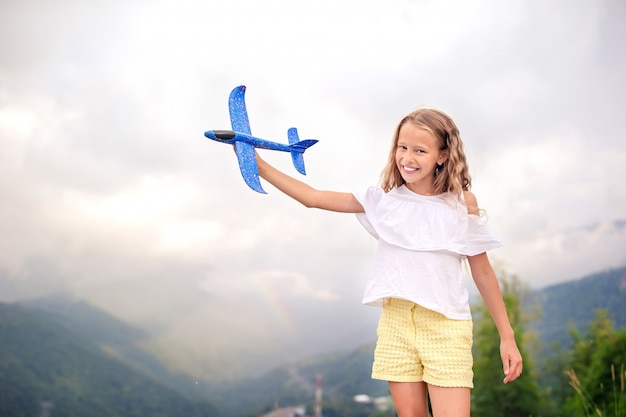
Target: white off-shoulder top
[{"x": 421, "y": 243}]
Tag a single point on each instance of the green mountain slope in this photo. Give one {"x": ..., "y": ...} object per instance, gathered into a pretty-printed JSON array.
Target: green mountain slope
[
  {"x": 42, "y": 361},
  {"x": 572, "y": 305},
  {"x": 110, "y": 334}
]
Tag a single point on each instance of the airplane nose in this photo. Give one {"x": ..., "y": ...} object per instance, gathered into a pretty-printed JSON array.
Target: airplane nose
[{"x": 224, "y": 134}]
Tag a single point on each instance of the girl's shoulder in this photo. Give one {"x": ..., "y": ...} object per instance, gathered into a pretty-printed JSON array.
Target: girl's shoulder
[{"x": 470, "y": 202}]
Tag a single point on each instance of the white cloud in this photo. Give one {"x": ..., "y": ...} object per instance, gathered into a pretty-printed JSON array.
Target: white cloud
[
  {"x": 293, "y": 284},
  {"x": 538, "y": 194}
]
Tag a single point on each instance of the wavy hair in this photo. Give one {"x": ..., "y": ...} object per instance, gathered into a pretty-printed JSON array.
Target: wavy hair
[{"x": 453, "y": 176}]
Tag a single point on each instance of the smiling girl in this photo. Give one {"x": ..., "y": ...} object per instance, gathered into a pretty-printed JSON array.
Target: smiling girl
[{"x": 426, "y": 222}]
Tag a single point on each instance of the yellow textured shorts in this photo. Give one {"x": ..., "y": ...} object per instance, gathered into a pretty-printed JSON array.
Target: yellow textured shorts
[{"x": 416, "y": 344}]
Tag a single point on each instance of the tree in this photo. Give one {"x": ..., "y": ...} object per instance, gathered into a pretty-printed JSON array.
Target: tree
[
  {"x": 490, "y": 397},
  {"x": 597, "y": 371}
]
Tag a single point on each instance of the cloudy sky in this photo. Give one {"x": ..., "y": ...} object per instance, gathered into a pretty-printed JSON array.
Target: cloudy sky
[{"x": 110, "y": 192}]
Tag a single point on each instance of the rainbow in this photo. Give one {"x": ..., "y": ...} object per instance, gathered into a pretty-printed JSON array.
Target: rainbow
[{"x": 276, "y": 305}]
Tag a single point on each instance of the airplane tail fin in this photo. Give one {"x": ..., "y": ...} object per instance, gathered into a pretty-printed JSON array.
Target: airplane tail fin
[{"x": 297, "y": 149}]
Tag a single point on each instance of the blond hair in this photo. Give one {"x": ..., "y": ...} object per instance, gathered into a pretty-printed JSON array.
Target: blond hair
[{"x": 454, "y": 176}]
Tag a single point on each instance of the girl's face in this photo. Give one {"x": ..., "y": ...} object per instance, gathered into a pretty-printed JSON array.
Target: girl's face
[{"x": 417, "y": 155}]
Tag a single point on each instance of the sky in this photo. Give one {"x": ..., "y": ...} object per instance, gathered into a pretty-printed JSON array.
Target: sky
[{"x": 110, "y": 192}]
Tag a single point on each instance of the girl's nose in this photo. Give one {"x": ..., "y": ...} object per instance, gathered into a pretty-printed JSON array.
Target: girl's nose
[{"x": 407, "y": 158}]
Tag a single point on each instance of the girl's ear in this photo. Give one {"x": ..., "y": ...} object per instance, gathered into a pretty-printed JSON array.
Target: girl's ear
[{"x": 443, "y": 157}]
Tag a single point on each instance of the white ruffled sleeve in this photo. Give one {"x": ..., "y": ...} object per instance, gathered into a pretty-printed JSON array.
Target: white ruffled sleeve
[
  {"x": 480, "y": 236},
  {"x": 424, "y": 223},
  {"x": 368, "y": 200}
]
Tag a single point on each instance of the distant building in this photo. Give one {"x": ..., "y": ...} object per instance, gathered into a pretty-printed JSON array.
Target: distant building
[
  {"x": 46, "y": 406},
  {"x": 297, "y": 411},
  {"x": 381, "y": 403}
]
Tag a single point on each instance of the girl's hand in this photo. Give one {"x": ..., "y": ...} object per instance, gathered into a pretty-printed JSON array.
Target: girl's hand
[{"x": 511, "y": 360}]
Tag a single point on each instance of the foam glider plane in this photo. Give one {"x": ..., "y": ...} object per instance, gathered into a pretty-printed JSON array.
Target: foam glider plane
[{"x": 241, "y": 137}]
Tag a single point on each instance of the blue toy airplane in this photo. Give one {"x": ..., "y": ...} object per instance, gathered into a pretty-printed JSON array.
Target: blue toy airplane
[{"x": 245, "y": 143}]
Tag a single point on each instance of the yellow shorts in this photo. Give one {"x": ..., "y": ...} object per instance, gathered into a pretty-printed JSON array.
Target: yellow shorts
[{"x": 416, "y": 344}]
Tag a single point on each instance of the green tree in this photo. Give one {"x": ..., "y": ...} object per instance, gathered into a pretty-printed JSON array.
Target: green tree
[
  {"x": 597, "y": 371},
  {"x": 490, "y": 397},
  {"x": 552, "y": 379}
]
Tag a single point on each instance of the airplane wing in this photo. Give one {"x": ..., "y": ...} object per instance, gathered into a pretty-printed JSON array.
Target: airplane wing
[
  {"x": 246, "y": 156},
  {"x": 238, "y": 113}
]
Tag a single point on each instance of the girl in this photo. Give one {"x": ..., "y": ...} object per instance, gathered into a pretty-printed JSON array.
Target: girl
[{"x": 426, "y": 222}]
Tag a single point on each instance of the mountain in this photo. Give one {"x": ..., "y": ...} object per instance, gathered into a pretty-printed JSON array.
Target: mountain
[
  {"x": 65, "y": 352},
  {"x": 43, "y": 364},
  {"x": 344, "y": 375},
  {"x": 572, "y": 305},
  {"x": 95, "y": 340},
  {"x": 111, "y": 335}
]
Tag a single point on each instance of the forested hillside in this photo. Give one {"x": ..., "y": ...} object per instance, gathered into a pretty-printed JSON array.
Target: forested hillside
[
  {"x": 42, "y": 362},
  {"x": 110, "y": 334},
  {"x": 572, "y": 305}
]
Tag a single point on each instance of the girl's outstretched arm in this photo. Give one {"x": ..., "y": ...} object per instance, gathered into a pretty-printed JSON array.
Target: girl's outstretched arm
[
  {"x": 307, "y": 195},
  {"x": 487, "y": 284}
]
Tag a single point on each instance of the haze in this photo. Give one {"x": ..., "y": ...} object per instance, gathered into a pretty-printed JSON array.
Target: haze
[{"x": 111, "y": 193}]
